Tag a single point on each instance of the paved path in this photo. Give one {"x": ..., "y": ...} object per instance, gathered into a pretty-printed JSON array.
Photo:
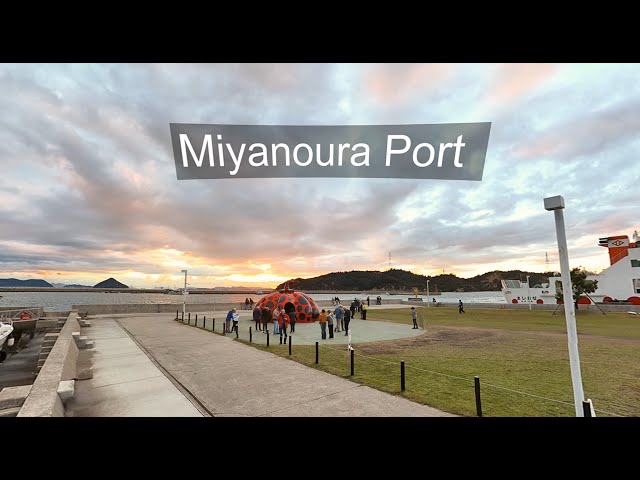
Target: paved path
[
  {"x": 232, "y": 379},
  {"x": 125, "y": 383}
]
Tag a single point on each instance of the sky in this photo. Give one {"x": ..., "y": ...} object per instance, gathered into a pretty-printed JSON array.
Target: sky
[{"x": 88, "y": 186}]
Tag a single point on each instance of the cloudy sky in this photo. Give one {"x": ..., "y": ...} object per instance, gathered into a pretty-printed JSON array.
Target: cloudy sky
[{"x": 88, "y": 184}]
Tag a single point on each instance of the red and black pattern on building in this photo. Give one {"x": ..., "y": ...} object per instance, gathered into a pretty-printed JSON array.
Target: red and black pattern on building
[{"x": 306, "y": 308}]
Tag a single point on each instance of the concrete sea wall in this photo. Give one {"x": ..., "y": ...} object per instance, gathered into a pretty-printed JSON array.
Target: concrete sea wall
[{"x": 43, "y": 399}]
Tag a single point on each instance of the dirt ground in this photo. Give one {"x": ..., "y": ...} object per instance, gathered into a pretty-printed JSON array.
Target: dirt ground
[{"x": 461, "y": 336}]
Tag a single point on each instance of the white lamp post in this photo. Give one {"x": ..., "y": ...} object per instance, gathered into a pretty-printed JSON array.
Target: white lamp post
[
  {"x": 428, "y": 301},
  {"x": 557, "y": 205},
  {"x": 528, "y": 292},
  {"x": 184, "y": 293}
]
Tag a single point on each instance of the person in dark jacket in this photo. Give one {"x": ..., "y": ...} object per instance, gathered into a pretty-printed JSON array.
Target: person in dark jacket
[
  {"x": 266, "y": 316},
  {"x": 347, "y": 319},
  {"x": 460, "y": 307},
  {"x": 228, "y": 319},
  {"x": 292, "y": 320},
  {"x": 256, "y": 318}
]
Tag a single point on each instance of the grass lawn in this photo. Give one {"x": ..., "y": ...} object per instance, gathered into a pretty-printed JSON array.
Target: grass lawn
[{"x": 513, "y": 349}]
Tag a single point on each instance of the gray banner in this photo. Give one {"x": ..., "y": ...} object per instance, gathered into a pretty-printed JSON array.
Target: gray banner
[{"x": 453, "y": 151}]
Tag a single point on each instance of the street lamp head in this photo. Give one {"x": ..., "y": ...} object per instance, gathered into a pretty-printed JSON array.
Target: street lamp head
[
  {"x": 183, "y": 271},
  {"x": 554, "y": 203}
]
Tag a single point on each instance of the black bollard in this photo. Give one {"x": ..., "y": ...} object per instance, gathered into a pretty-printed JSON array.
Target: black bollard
[
  {"x": 289, "y": 344},
  {"x": 204, "y": 322},
  {"x": 250, "y": 336},
  {"x": 182, "y": 317},
  {"x": 177, "y": 315},
  {"x": 478, "y": 403},
  {"x": 224, "y": 329},
  {"x": 352, "y": 363},
  {"x": 586, "y": 407},
  {"x": 237, "y": 329},
  {"x": 196, "y": 320},
  {"x": 213, "y": 325},
  {"x": 267, "y": 338},
  {"x": 189, "y": 319},
  {"x": 402, "y": 376},
  {"x": 316, "y": 353}
]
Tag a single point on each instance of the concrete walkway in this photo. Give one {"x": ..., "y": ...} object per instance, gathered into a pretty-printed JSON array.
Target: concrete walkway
[
  {"x": 125, "y": 383},
  {"x": 232, "y": 379}
]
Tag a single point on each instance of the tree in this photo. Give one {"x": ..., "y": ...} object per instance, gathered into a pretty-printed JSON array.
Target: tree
[{"x": 580, "y": 285}]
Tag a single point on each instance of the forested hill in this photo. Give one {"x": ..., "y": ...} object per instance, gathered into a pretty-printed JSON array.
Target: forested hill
[{"x": 401, "y": 280}]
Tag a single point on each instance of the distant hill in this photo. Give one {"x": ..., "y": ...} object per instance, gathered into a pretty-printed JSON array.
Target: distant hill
[
  {"x": 110, "y": 283},
  {"x": 400, "y": 280},
  {"x": 14, "y": 282}
]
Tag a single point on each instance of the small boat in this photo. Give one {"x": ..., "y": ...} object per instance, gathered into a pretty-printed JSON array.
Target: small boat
[
  {"x": 176, "y": 292},
  {"x": 259, "y": 292},
  {"x": 5, "y": 331}
]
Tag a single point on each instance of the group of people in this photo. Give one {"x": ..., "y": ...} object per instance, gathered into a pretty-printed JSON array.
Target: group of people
[
  {"x": 248, "y": 304},
  {"x": 232, "y": 316},
  {"x": 340, "y": 318},
  {"x": 336, "y": 320},
  {"x": 282, "y": 319}
]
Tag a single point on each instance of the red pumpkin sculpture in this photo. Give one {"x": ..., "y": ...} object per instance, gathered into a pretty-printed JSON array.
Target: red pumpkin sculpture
[{"x": 306, "y": 308}]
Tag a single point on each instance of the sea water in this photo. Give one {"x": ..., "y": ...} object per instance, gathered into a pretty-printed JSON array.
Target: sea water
[{"x": 54, "y": 301}]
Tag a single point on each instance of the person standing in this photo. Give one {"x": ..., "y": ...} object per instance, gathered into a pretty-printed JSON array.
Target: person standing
[
  {"x": 283, "y": 319},
  {"x": 460, "y": 307},
  {"x": 235, "y": 319},
  {"x": 322, "y": 320},
  {"x": 266, "y": 316},
  {"x": 330, "y": 320},
  {"x": 347, "y": 319},
  {"x": 256, "y": 318},
  {"x": 275, "y": 315},
  {"x": 228, "y": 320},
  {"x": 338, "y": 314},
  {"x": 364, "y": 311},
  {"x": 292, "y": 319},
  {"x": 414, "y": 317}
]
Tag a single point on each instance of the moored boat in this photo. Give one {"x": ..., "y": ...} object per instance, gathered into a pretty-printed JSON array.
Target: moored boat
[{"x": 5, "y": 331}]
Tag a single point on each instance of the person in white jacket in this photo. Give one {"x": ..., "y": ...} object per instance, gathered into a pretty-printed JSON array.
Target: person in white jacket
[{"x": 235, "y": 319}]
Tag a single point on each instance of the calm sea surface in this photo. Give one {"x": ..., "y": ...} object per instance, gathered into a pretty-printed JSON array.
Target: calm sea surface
[{"x": 64, "y": 300}]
